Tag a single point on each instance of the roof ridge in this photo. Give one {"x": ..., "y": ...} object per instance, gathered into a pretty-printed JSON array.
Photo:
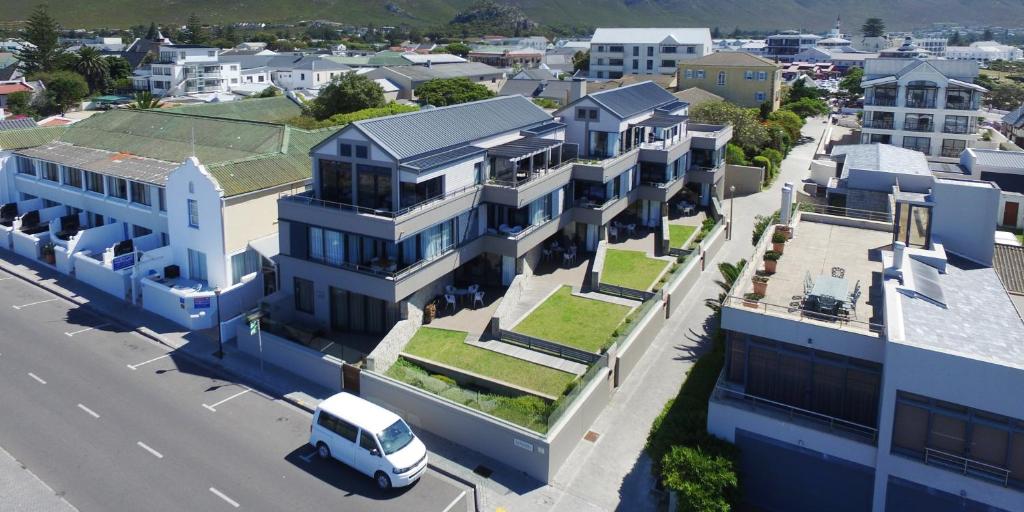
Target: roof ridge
[
  {"x": 363, "y": 122},
  {"x": 167, "y": 112}
]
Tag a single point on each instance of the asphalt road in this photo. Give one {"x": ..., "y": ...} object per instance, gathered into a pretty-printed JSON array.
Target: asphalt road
[{"x": 112, "y": 421}]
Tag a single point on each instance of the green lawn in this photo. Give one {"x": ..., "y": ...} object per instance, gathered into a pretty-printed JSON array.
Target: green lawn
[
  {"x": 678, "y": 235},
  {"x": 448, "y": 347},
  {"x": 586, "y": 324},
  {"x": 631, "y": 269}
]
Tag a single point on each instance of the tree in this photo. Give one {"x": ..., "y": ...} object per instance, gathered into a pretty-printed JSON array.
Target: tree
[
  {"x": 153, "y": 33},
  {"x": 987, "y": 35},
  {"x": 716, "y": 33},
  {"x": 799, "y": 91},
  {"x": 954, "y": 40},
  {"x": 851, "y": 82},
  {"x": 93, "y": 66},
  {"x": 706, "y": 482},
  {"x": 441, "y": 92},
  {"x": 194, "y": 30},
  {"x": 63, "y": 88},
  {"x": 734, "y": 155},
  {"x": 730, "y": 272},
  {"x": 43, "y": 48},
  {"x": 581, "y": 61},
  {"x": 347, "y": 93},
  {"x": 747, "y": 130},
  {"x": 873, "y": 27},
  {"x": 20, "y": 103},
  {"x": 788, "y": 121},
  {"x": 118, "y": 67},
  {"x": 1006, "y": 95},
  {"x": 144, "y": 101},
  {"x": 986, "y": 81},
  {"x": 808, "y": 107},
  {"x": 460, "y": 49}
]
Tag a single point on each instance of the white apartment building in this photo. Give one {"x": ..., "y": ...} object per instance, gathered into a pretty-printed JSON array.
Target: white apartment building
[
  {"x": 173, "y": 212},
  {"x": 615, "y": 52},
  {"x": 930, "y": 105},
  {"x": 878, "y": 370},
  {"x": 984, "y": 52},
  {"x": 933, "y": 45},
  {"x": 784, "y": 46},
  {"x": 183, "y": 69}
]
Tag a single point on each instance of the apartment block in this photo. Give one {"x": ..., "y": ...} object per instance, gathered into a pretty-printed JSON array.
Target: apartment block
[
  {"x": 876, "y": 366},
  {"x": 738, "y": 77},
  {"x": 928, "y": 105},
  {"x": 183, "y": 69},
  {"x": 615, "y": 52}
]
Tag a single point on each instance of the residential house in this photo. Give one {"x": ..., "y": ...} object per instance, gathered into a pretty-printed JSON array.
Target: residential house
[
  {"x": 507, "y": 57},
  {"x": 562, "y": 92},
  {"x": 616, "y": 52},
  {"x": 929, "y": 105},
  {"x": 12, "y": 88},
  {"x": 741, "y": 78},
  {"x": 187, "y": 69},
  {"x": 1012, "y": 125},
  {"x": 984, "y": 52},
  {"x": 695, "y": 96},
  {"x": 408, "y": 78}
]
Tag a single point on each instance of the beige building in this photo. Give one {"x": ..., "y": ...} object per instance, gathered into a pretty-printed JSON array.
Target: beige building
[{"x": 744, "y": 79}]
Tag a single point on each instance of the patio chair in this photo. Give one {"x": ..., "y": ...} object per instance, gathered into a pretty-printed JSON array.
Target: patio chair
[
  {"x": 568, "y": 257},
  {"x": 838, "y": 272},
  {"x": 808, "y": 283},
  {"x": 478, "y": 298},
  {"x": 449, "y": 300},
  {"x": 473, "y": 288}
]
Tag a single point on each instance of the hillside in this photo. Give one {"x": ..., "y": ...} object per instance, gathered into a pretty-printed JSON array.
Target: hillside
[{"x": 814, "y": 15}]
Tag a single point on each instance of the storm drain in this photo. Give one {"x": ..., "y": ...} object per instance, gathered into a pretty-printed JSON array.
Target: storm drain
[{"x": 591, "y": 436}]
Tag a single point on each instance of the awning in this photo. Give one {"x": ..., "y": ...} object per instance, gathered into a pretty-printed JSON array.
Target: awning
[
  {"x": 523, "y": 148},
  {"x": 268, "y": 246},
  {"x": 878, "y": 81},
  {"x": 967, "y": 85},
  {"x": 662, "y": 121}
]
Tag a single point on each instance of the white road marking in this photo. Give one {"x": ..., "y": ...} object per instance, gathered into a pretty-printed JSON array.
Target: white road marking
[
  {"x": 456, "y": 500},
  {"x": 72, "y": 333},
  {"x": 150, "y": 450},
  {"x": 36, "y": 377},
  {"x": 136, "y": 366},
  {"x": 224, "y": 497},
  {"x": 33, "y": 303},
  {"x": 88, "y": 411},
  {"x": 212, "y": 408}
]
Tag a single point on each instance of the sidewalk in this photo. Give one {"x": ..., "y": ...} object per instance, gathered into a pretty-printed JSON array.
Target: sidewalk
[{"x": 22, "y": 490}]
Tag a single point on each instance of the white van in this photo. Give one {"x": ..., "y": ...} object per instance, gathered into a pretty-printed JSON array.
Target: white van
[{"x": 369, "y": 438}]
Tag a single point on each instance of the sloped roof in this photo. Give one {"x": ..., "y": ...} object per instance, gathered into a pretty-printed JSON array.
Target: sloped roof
[
  {"x": 292, "y": 164},
  {"x": 276, "y": 109},
  {"x": 425, "y": 131},
  {"x": 731, "y": 59},
  {"x": 21, "y": 123},
  {"x": 651, "y": 35},
  {"x": 1015, "y": 117},
  {"x": 19, "y": 139},
  {"x": 1008, "y": 261},
  {"x": 633, "y": 99},
  {"x": 695, "y": 96},
  {"x": 456, "y": 70},
  {"x": 556, "y": 90},
  {"x": 666, "y": 81},
  {"x": 16, "y": 87}
]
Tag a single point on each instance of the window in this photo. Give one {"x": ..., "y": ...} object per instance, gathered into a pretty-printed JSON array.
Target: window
[
  {"x": 26, "y": 166},
  {"x": 748, "y": 75},
  {"x": 161, "y": 197},
  {"x": 688, "y": 73},
  {"x": 668, "y": 63},
  {"x": 650, "y": 51},
  {"x": 117, "y": 187},
  {"x": 583, "y": 114},
  {"x": 138, "y": 231},
  {"x": 922, "y": 144},
  {"x": 50, "y": 172},
  {"x": 72, "y": 177},
  {"x": 615, "y": 62},
  {"x": 699, "y": 74},
  {"x": 600, "y": 61},
  {"x": 140, "y": 193},
  {"x": 345, "y": 149},
  {"x": 952, "y": 148},
  {"x": 600, "y": 48},
  {"x": 367, "y": 442},
  {"x": 636, "y": 51},
  {"x": 478, "y": 173},
  {"x": 762, "y": 75},
  {"x": 327, "y": 421},
  {"x": 211, "y": 53},
  {"x": 691, "y": 49},
  {"x": 395, "y": 437},
  {"x": 721, "y": 78},
  {"x": 243, "y": 264},
  {"x": 197, "y": 265},
  {"x": 304, "y": 295},
  {"x": 362, "y": 152},
  {"x": 636, "y": 64},
  {"x": 374, "y": 186},
  {"x": 759, "y": 97},
  {"x": 668, "y": 49},
  {"x": 650, "y": 64},
  {"x": 615, "y": 49},
  {"x": 193, "y": 213},
  {"x": 302, "y": 76},
  {"x": 94, "y": 182}
]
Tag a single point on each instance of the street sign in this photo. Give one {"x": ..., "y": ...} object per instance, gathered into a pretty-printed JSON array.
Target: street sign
[{"x": 201, "y": 302}]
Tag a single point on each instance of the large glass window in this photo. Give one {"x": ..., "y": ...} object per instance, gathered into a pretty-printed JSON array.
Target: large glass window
[
  {"x": 26, "y": 166},
  {"x": 922, "y": 144},
  {"x": 243, "y": 264},
  {"x": 72, "y": 177},
  {"x": 303, "y": 295},
  {"x": 374, "y": 187},
  {"x": 140, "y": 193},
  {"x": 117, "y": 187},
  {"x": 49, "y": 171},
  {"x": 959, "y": 99},
  {"x": 335, "y": 181},
  {"x": 951, "y": 148},
  {"x": 193, "y": 213},
  {"x": 918, "y": 123},
  {"x": 913, "y": 225},
  {"x": 411, "y": 194},
  {"x": 921, "y": 94},
  {"x": 94, "y": 182},
  {"x": 196, "y": 265},
  {"x": 958, "y": 124}
]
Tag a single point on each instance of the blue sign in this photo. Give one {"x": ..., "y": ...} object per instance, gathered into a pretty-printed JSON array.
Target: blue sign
[
  {"x": 124, "y": 261},
  {"x": 201, "y": 302}
]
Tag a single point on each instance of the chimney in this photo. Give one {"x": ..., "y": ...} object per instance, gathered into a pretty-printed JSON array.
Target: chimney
[
  {"x": 898, "y": 249},
  {"x": 786, "y": 209},
  {"x": 578, "y": 88}
]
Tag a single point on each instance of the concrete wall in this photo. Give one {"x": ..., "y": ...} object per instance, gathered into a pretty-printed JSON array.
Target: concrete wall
[
  {"x": 95, "y": 274},
  {"x": 178, "y": 306},
  {"x": 254, "y": 218},
  {"x": 713, "y": 242},
  {"x": 322, "y": 369},
  {"x": 502, "y": 314},
  {"x": 598, "y": 266},
  {"x": 570, "y": 428},
  {"x": 628, "y": 354},
  {"x": 677, "y": 289},
  {"x": 745, "y": 178},
  {"x": 964, "y": 218},
  {"x": 28, "y": 245}
]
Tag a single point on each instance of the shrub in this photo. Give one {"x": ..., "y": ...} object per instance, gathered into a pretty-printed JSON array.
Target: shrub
[
  {"x": 761, "y": 223},
  {"x": 778, "y": 238},
  {"x": 706, "y": 482},
  {"x": 807, "y": 107},
  {"x": 734, "y": 155},
  {"x": 772, "y": 256},
  {"x": 773, "y": 155}
]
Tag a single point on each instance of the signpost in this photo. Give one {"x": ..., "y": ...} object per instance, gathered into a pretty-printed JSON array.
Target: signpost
[
  {"x": 123, "y": 261},
  {"x": 254, "y": 330}
]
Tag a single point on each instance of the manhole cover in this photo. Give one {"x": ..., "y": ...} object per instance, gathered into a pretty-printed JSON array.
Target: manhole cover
[
  {"x": 591, "y": 436},
  {"x": 483, "y": 471}
]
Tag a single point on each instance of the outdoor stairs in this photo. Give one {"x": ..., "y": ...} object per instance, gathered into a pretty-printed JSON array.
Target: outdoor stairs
[{"x": 527, "y": 355}]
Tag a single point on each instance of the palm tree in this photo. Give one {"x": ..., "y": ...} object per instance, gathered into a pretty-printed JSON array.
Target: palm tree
[
  {"x": 93, "y": 66},
  {"x": 145, "y": 100},
  {"x": 730, "y": 273}
]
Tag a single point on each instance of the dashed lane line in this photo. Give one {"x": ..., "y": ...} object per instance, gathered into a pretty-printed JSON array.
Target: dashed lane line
[
  {"x": 36, "y": 377},
  {"x": 224, "y": 497},
  {"x": 89, "y": 411},
  {"x": 150, "y": 450}
]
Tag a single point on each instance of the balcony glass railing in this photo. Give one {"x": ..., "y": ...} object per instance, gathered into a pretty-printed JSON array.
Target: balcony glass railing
[
  {"x": 881, "y": 124},
  {"x": 524, "y": 177},
  {"x": 920, "y": 102},
  {"x": 958, "y": 128},
  {"x": 917, "y": 126},
  {"x": 881, "y": 101},
  {"x": 307, "y": 197}
]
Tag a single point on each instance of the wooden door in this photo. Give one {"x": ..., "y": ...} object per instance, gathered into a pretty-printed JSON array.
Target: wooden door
[{"x": 1010, "y": 214}]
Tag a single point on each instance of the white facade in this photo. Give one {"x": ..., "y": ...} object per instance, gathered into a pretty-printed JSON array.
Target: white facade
[
  {"x": 615, "y": 52},
  {"x": 187, "y": 69},
  {"x": 984, "y": 52}
]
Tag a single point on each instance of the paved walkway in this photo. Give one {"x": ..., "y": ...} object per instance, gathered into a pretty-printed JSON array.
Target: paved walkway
[
  {"x": 529, "y": 355},
  {"x": 22, "y": 490}
]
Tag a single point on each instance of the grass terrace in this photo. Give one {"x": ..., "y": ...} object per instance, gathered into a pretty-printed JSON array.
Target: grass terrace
[
  {"x": 631, "y": 269},
  {"x": 585, "y": 324},
  {"x": 678, "y": 234},
  {"x": 449, "y": 348}
]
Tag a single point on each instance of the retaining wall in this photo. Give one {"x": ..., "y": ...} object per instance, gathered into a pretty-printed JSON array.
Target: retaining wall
[{"x": 322, "y": 369}]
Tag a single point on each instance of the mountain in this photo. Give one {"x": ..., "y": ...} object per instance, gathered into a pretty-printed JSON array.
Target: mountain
[{"x": 812, "y": 15}]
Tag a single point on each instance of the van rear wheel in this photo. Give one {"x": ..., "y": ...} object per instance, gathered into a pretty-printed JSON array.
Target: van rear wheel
[
  {"x": 323, "y": 451},
  {"x": 383, "y": 482}
]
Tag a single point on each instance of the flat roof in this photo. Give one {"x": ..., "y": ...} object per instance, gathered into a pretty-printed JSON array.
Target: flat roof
[
  {"x": 362, "y": 413},
  {"x": 122, "y": 165}
]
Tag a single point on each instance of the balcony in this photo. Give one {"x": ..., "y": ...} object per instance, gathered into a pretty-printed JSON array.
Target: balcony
[
  {"x": 959, "y": 129},
  {"x": 663, "y": 151},
  {"x": 378, "y": 223},
  {"x": 606, "y": 169},
  {"x": 527, "y": 173},
  {"x": 517, "y": 244},
  {"x": 709, "y": 136},
  {"x": 601, "y": 211},
  {"x": 881, "y": 101},
  {"x": 920, "y": 103},
  {"x": 704, "y": 174},
  {"x": 914, "y": 126},
  {"x": 879, "y": 124}
]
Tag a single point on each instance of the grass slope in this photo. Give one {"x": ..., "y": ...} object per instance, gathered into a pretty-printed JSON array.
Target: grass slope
[
  {"x": 582, "y": 323},
  {"x": 631, "y": 269},
  {"x": 678, "y": 235}
]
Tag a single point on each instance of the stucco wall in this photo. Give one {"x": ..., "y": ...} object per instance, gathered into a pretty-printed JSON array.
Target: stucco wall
[
  {"x": 745, "y": 178},
  {"x": 322, "y": 369},
  {"x": 254, "y": 218}
]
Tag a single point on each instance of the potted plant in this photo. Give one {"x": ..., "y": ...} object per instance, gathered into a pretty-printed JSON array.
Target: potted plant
[
  {"x": 787, "y": 231},
  {"x": 751, "y": 300},
  {"x": 760, "y": 284},
  {"x": 778, "y": 242},
  {"x": 48, "y": 253},
  {"x": 771, "y": 259},
  {"x": 429, "y": 312}
]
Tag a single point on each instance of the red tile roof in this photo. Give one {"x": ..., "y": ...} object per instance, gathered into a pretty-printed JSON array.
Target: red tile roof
[{"x": 18, "y": 87}]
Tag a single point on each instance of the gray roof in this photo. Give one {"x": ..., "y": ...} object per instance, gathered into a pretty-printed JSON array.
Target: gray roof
[
  {"x": 132, "y": 167},
  {"x": 979, "y": 321},
  {"x": 633, "y": 99},
  {"x": 1008, "y": 260},
  {"x": 1015, "y": 117},
  {"x": 557, "y": 90},
  {"x": 443, "y": 158},
  {"x": 882, "y": 157},
  {"x": 997, "y": 158},
  {"x": 455, "y": 70},
  {"x": 436, "y": 129},
  {"x": 17, "y": 124}
]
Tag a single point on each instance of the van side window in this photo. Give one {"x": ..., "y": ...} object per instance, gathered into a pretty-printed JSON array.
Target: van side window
[
  {"x": 366, "y": 441},
  {"x": 327, "y": 421},
  {"x": 346, "y": 430}
]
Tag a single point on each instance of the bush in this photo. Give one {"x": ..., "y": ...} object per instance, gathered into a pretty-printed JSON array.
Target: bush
[
  {"x": 349, "y": 92},
  {"x": 547, "y": 103},
  {"x": 774, "y": 156},
  {"x": 734, "y": 155},
  {"x": 761, "y": 223},
  {"x": 706, "y": 482},
  {"x": 441, "y": 92},
  {"x": 309, "y": 123},
  {"x": 808, "y": 107}
]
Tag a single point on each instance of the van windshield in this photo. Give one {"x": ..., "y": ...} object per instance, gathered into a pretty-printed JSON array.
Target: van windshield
[{"x": 395, "y": 437}]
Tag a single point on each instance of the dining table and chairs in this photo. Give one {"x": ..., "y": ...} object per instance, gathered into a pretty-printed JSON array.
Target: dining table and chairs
[{"x": 829, "y": 294}]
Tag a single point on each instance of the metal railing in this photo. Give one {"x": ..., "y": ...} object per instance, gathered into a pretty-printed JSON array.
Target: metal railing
[
  {"x": 532, "y": 177},
  {"x": 802, "y": 314},
  {"x": 841, "y": 211},
  {"x": 549, "y": 347},
  {"x": 833, "y": 424},
  {"x": 306, "y": 197},
  {"x": 911, "y": 126},
  {"x": 919, "y": 103},
  {"x": 593, "y": 205},
  {"x": 968, "y": 467},
  {"x": 622, "y": 291},
  {"x": 881, "y": 101},
  {"x": 881, "y": 124}
]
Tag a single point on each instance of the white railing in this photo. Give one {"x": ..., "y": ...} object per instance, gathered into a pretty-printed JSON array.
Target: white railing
[{"x": 967, "y": 466}]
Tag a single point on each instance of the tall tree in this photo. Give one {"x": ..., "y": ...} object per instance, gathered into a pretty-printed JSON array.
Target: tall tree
[
  {"x": 64, "y": 89},
  {"x": 954, "y": 40},
  {"x": 41, "y": 33},
  {"x": 748, "y": 132},
  {"x": 93, "y": 66},
  {"x": 347, "y": 93},
  {"x": 441, "y": 92},
  {"x": 153, "y": 32},
  {"x": 851, "y": 82},
  {"x": 987, "y": 35},
  {"x": 873, "y": 27},
  {"x": 194, "y": 30},
  {"x": 729, "y": 272}
]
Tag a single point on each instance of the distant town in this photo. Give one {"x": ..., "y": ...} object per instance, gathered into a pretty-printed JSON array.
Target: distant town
[{"x": 315, "y": 265}]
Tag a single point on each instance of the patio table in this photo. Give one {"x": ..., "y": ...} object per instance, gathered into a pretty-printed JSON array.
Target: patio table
[{"x": 827, "y": 286}]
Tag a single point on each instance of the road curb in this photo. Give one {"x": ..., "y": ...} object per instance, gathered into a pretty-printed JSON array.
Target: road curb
[{"x": 472, "y": 485}]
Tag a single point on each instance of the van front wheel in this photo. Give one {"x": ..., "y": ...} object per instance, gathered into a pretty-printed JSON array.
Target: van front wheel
[
  {"x": 383, "y": 482},
  {"x": 323, "y": 451}
]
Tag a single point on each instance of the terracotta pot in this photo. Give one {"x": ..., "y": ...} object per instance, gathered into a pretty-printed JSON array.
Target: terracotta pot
[
  {"x": 769, "y": 266},
  {"x": 778, "y": 247},
  {"x": 785, "y": 230},
  {"x": 761, "y": 287}
]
